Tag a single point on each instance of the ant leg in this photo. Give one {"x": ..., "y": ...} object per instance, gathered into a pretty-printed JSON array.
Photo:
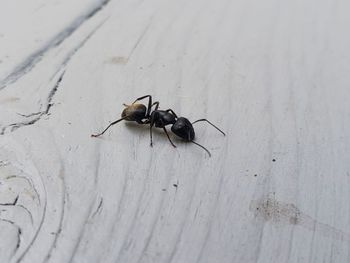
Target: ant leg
[
  {"x": 97, "y": 135},
  {"x": 150, "y": 133},
  {"x": 157, "y": 105},
  {"x": 143, "y": 97},
  {"x": 149, "y": 102},
  {"x": 170, "y": 110},
  {"x": 210, "y": 124},
  {"x": 151, "y": 122},
  {"x": 201, "y": 147},
  {"x": 169, "y": 137}
]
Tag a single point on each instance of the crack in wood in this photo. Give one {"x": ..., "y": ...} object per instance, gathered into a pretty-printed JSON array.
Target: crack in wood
[
  {"x": 30, "y": 62},
  {"x": 98, "y": 209},
  {"x": 12, "y": 203},
  {"x": 29, "y": 115},
  {"x": 15, "y": 126},
  {"x": 29, "y": 181},
  {"x": 19, "y": 234},
  {"x": 49, "y": 104}
]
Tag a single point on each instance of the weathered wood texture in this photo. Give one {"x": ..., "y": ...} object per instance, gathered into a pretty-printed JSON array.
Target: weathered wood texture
[{"x": 273, "y": 74}]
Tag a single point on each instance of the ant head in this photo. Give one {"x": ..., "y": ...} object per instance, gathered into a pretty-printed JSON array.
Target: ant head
[{"x": 184, "y": 129}]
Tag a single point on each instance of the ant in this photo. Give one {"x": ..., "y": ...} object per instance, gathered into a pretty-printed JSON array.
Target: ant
[{"x": 141, "y": 114}]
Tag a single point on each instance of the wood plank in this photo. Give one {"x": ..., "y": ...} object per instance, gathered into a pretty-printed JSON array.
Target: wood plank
[{"x": 274, "y": 76}]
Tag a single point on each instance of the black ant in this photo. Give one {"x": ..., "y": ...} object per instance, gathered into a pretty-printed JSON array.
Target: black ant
[{"x": 181, "y": 126}]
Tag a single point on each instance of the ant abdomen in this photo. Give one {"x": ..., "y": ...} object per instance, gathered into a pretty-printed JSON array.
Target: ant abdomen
[
  {"x": 135, "y": 112},
  {"x": 184, "y": 129}
]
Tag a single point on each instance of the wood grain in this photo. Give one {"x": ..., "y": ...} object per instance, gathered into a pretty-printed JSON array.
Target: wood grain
[{"x": 273, "y": 75}]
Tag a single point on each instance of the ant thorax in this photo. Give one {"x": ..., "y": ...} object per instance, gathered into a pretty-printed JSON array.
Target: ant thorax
[{"x": 162, "y": 118}]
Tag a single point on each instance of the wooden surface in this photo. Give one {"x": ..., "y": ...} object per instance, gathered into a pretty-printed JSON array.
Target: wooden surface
[{"x": 274, "y": 75}]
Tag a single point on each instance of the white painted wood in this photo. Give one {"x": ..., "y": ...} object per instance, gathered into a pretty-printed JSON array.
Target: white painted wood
[{"x": 273, "y": 75}]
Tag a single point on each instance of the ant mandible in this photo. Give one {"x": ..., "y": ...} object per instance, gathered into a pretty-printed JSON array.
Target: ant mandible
[{"x": 141, "y": 114}]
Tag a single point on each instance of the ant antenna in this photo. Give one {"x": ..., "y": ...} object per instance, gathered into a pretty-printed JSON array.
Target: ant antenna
[
  {"x": 202, "y": 147},
  {"x": 115, "y": 122},
  {"x": 210, "y": 124}
]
